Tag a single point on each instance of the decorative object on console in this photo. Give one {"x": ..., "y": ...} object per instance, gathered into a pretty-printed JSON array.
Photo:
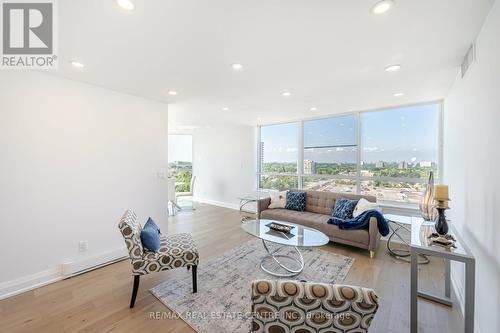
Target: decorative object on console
[
  {"x": 278, "y": 199},
  {"x": 296, "y": 201},
  {"x": 441, "y": 198},
  {"x": 447, "y": 241},
  {"x": 426, "y": 206},
  {"x": 344, "y": 208}
]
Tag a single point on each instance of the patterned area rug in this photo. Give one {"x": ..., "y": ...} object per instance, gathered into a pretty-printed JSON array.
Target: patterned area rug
[{"x": 222, "y": 303}]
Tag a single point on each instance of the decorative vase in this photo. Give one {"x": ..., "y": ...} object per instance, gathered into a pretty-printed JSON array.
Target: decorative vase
[
  {"x": 426, "y": 206},
  {"x": 441, "y": 225}
]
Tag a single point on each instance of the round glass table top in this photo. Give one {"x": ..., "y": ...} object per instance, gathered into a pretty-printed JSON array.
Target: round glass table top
[{"x": 298, "y": 236}]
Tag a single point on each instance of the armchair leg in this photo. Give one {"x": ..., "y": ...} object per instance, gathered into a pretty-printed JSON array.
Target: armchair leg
[
  {"x": 134, "y": 290},
  {"x": 372, "y": 254},
  {"x": 195, "y": 287}
]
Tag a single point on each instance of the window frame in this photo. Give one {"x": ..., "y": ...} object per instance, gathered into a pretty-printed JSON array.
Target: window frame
[{"x": 358, "y": 178}]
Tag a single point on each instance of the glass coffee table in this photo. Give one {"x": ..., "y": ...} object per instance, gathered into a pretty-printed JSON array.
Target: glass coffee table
[{"x": 299, "y": 236}]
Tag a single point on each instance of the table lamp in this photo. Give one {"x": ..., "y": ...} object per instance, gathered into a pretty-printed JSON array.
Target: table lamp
[{"x": 441, "y": 198}]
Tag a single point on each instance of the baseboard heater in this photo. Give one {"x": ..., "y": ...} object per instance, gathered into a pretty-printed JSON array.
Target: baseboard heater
[{"x": 77, "y": 267}]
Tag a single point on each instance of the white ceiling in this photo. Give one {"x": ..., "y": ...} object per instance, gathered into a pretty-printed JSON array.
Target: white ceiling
[{"x": 330, "y": 54}]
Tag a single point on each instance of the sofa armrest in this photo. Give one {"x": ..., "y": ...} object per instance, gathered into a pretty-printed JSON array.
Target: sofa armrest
[
  {"x": 262, "y": 204},
  {"x": 374, "y": 234}
]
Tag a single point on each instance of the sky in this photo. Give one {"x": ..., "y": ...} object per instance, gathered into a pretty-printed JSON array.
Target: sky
[
  {"x": 180, "y": 148},
  {"x": 399, "y": 134}
]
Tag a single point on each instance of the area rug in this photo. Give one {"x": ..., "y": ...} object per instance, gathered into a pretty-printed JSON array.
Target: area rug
[{"x": 223, "y": 301}]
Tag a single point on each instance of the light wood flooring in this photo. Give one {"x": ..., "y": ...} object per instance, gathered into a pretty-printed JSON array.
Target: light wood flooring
[{"x": 98, "y": 301}]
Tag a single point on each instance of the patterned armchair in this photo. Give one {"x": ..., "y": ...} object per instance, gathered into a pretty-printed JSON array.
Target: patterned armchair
[
  {"x": 175, "y": 251},
  {"x": 306, "y": 307}
]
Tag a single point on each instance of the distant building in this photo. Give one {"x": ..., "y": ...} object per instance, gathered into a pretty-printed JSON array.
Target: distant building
[
  {"x": 403, "y": 165},
  {"x": 309, "y": 167},
  {"x": 380, "y": 164},
  {"x": 426, "y": 164}
]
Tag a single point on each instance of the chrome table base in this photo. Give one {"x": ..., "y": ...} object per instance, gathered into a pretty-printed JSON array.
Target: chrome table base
[{"x": 289, "y": 271}]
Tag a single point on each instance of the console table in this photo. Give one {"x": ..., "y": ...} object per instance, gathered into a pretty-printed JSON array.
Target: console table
[{"x": 420, "y": 245}]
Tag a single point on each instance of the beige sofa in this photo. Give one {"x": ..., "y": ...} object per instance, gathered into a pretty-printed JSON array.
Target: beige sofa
[{"x": 318, "y": 211}]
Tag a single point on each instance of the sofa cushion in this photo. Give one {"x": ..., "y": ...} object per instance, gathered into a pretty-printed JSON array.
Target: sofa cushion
[
  {"x": 278, "y": 199},
  {"x": 322, "y": 202},
  {"x": 344, "y": 208},
  {"x": 364, "y": 205},
  {"x": 296, "y": 201}
]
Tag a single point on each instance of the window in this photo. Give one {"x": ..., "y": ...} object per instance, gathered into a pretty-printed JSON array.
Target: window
[
  {"x": 399, "y": 147},
  {"x": 278, "y": 153},
  {"x": 330, "y": 153},
  {"x": 390, "y": 157},
  {"x": 180, "y": 158}
]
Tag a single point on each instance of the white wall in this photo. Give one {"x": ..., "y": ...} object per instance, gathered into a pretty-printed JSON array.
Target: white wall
[
  {"x": 471, "y": 162},
  {"x": 73, "y": 158},
  {"x": 224, "y": 163}
]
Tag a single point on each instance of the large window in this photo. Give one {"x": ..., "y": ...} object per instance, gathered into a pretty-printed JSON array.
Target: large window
[
  {"x": 180, "y": 158},
  {"x": 330, "y": 154},
  {"x": 278, "y": 156},
  {"x": 399, "y": 147},
  {"x": 387, "y": 153}
]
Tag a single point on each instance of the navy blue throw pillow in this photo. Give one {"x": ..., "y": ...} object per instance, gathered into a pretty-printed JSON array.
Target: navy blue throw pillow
[
  {"x": 344, "y": 208},
  {"x": 150, "y": 236},
  {"x": 296, "y": 201}
]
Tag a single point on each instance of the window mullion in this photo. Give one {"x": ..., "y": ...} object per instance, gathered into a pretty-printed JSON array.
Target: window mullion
[
  {"x": 300, "y": 162},
  {"x": 358, "y": 155}
]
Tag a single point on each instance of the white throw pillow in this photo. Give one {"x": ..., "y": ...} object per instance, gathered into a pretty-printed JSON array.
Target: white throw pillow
[
  {"x": 278, "y": 199},
  {"x": 364, "y": 205}
]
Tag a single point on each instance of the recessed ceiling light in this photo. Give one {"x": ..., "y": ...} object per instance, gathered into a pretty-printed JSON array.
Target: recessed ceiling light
[
  {"x": 225, "y": 108},
  {"x": 125, "y": 4},
  {"x": 393, "y": 68},
  {"x": 77, "y": 64},
  {"x": 286, "y": 93},
  {"x": 398, "y": 94},
  {"x": 313, "y": 108},
  {"x": 172, "y": 93},
  {"x": 237, "y": 67},
  {"x": 382, "y": 6}
]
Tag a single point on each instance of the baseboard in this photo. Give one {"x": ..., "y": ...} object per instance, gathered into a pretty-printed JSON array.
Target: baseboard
[
  {"x": 217, "y": 203},
  {"x": 76, "y": 267},
  {"x": 66, "y": 270},
  {"x": 29, "y": 282}
]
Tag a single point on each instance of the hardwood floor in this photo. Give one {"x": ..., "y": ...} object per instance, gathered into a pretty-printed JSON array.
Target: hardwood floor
[{"x": 98, "y": 301}]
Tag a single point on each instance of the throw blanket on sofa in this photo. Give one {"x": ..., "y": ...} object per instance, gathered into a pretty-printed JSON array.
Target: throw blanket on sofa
[{"x": 362, "y": 221}]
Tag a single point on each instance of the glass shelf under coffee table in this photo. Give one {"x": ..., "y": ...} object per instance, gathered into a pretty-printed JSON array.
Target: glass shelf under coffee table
[{"x": 299, "y": 236}]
